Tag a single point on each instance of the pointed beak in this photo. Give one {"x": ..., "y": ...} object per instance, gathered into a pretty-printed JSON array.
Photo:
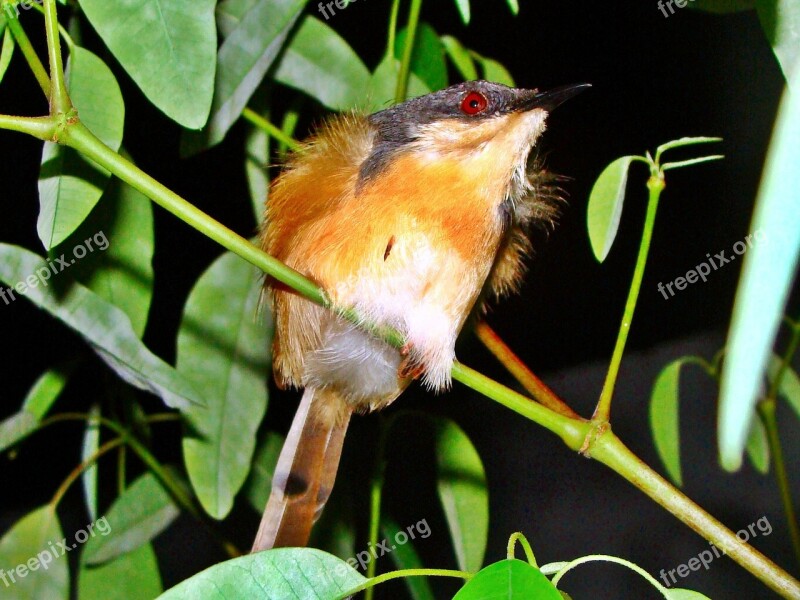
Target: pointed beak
[{"x": 550, "y": 99}]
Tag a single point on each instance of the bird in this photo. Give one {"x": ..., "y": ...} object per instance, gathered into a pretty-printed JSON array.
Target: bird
[{"x": 413, "y": 217}]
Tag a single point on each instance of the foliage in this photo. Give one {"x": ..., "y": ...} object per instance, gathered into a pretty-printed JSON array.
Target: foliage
[{"x": 205, "y": 66}]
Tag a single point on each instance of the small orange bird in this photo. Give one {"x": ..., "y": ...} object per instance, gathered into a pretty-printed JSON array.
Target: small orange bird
[{"x": 409, "y": 216}]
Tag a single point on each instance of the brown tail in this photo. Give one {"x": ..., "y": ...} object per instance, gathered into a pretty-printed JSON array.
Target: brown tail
[{"x": 306, "y": 471}]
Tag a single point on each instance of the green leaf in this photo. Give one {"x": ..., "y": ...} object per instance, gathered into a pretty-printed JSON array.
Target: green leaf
[
  {"x": 605, "y": 206},
  {"x": 680, "y": 594},
  {"x": 91, "y": 442},
  {"x": 514, "y": 6},
  {"x": 789, "y": 387},
  {"x": 105, "y": 327},
  {"x": 664, "y": 418},
  {"x": 229, "y": 14},
  {"x": 48, "y": 388},
  {"x": 168, "y": 47},
  {"x": 767, "y": 274},
  {"x": 509, "y": 579},
  {"x": 288, "y": 574},
  {"x": 758, "y": 447},
  {"x": 494, "y": 71},
  {"x": 259, "y": 481},
  {"x": 137, "y": 516},
  {"x": 460, "y": 57},
  {"x": 684, "y": 141},
  {"x": 7, "y": 51},
  {"x": 31, "y": 547},
  {"x": 122, "y": 274},
  {"x": 319, "y": 62},
  {"x": 463, "y": 10},
  {"x": 384, "y": 82},
  {"x": 243, "y": 60},
  {"x": 427, "y": 58},
  {"x": 721, "y": 7},
  {"x": 256, "y": 164},
  {"x": 16, "y": 428},
  {"x": 69, "y": 184},
  {"x": 222, "y": 345},
  {"x": 780, "y": 20},
  {"x": 405, "y": 557},
  {"x": 37, "y": 404},
  {"x": 692, "y": 161},
  {"x": 464, "y": 494},
  {"x": 133, "y": 576}
]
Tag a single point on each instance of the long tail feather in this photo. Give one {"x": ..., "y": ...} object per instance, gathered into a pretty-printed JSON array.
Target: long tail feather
[{"x": 306, "y": 471}]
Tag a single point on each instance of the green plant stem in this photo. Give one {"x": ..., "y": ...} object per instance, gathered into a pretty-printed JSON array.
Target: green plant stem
[
  {"x": 59, "y": 98},
  {"x": 603, "y": 411},
  {"x": 609, "y": 450},
  {"x": 786, "y": 360},
  {"x": 122, "y": 457},
  {"x": 408, "y": 51},
  {"x": 526, "y": 546},
  {"x": 176, "y": 491},
  {"x": 520, "y": 371},
  {"x": 25, "y": 46},
  {"x": 392, "y": 35},
  {"x": 376, "y": 494},
  {"x": 613, "y": 559},
  {"x": 143, "y": 453},
  {"x": 77, "y": 471},
  {"x": 43, "y": 128},
  {"x": 572, "y": 431},
  {"x": 79, "y": 137},
  {"x": 64, "y": 33},
  {"x": 406, "y": 573},
  {"x": 766, "y": 412},
  {"x": 270, "y": 129}
]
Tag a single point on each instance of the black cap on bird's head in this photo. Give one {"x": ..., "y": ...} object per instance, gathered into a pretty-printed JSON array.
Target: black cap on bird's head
[
  {"x": 466, "y": 113},
  {"x": 468, "y": 101}
]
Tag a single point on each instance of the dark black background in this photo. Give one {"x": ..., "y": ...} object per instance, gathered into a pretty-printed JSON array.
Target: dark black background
[{"x": 654, "y": 79}]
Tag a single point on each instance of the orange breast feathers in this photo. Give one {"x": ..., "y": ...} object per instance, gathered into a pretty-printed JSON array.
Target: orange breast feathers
[{"x": 410, "y": 248}]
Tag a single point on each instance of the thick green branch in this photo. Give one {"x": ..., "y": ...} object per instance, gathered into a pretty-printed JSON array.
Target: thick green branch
[
  {"x": 609, "y": 450},
  {"x": 83, "y": 140}
]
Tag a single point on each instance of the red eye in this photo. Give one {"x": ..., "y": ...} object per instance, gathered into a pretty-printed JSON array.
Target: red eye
[{"x": 474, "y": 103}]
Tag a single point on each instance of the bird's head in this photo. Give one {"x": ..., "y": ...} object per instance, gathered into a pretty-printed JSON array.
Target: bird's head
[{"x": 472, "y": 121}]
